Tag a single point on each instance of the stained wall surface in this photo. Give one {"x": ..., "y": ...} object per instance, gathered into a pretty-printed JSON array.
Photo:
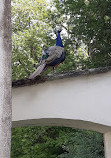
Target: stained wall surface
[{"x": 81, "y": 102}]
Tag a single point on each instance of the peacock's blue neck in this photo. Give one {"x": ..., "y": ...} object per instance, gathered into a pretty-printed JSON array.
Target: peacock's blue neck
[{"x": 59, "y": 40}]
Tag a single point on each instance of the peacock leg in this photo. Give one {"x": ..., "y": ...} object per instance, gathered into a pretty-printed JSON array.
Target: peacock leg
[{"x": 53, "y": 71}]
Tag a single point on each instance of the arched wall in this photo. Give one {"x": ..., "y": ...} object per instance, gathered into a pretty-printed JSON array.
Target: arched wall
[{"x": 81, "y": 102}]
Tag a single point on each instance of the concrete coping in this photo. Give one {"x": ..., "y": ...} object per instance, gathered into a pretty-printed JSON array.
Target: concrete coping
[{"x": 56, "y": 76}]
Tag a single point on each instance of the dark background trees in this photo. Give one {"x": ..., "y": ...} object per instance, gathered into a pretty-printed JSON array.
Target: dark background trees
[{"x": 56, "y": 142}]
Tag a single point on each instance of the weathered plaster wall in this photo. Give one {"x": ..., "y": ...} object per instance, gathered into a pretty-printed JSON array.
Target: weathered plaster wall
[{"x": 66, "y": 102}]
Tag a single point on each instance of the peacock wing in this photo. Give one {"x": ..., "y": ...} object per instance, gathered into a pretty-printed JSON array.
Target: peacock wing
[{"x": 54, "y": 52}]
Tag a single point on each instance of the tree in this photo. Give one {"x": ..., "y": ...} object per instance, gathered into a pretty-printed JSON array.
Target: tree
[
  {"x": 88, "y": 22},
  {"x": 56, "y": 142},
  {"x": 83, "y": 144},
  {"x": 34, "y": 24},
  {"x": 30, "y": 35}
]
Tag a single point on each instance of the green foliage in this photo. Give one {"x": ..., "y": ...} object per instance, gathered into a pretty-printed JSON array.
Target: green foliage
[
  {"x": 86, "y": 33},
  {"x": 35, "y": 142},
  {"x": 88, "y": 22},
  {"x": 83, "y": 144},
  {"x": 29, "y": 36},
  {"x": 56, "y": 142}
]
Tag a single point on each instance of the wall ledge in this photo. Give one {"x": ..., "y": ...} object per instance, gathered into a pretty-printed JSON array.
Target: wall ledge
[{"x": 56, "y": 76}]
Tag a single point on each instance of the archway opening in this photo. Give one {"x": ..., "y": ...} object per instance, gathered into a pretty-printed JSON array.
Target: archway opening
[{"x": 55, "y": 142}]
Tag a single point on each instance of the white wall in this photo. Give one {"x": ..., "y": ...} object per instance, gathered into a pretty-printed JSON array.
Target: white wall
[{"x": 66, "y": 102}]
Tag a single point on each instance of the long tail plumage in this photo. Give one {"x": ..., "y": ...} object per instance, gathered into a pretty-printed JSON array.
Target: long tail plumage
[{"x": 37, "y": 71}]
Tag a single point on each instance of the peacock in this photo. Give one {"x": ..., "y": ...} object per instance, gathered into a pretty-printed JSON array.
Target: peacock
[{"x": 51, "y": 57}]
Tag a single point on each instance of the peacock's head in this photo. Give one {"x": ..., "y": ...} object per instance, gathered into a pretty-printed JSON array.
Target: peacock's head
[{"x": 59, "y": 31}]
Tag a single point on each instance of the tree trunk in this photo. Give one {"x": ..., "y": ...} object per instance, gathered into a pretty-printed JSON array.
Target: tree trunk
[{"x": 5, "y": 78}]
